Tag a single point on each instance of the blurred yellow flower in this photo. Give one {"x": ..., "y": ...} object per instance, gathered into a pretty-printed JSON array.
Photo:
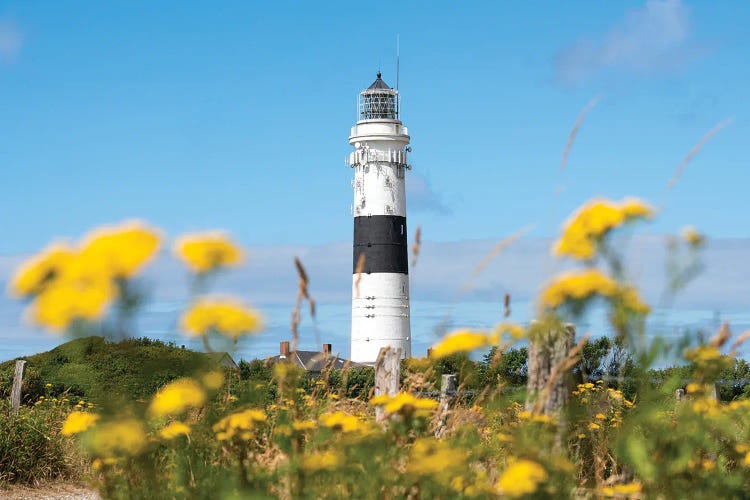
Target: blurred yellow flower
[
  {"x": 322, "y": 460},
  {"x": 174, "y": 429},
  {"x": 405, "y": 404},
  {"x": 207, "y": 251},
  {"x": 342, "y": 422},
  {"x": 601, "y": 416},
  {"x": 120, "y": 251},
  {"x": 78, "y": 422},
  {"x": 630, "y": 299},
  {"x": 577, "y": 285},
  {"x": 747, "y": 459},
  {"x": 225, "y": 316},
  {"x": 591, "y": 222},
  {"x": 304, "y": 425},
  {"x": 593, "y": 426},
  {"x": 120, "y": 437},
  {"x": 521, "y": 478},
  {"x": 429, "y": 456},
  {"x": 213, "y": 379},
  {"x": 66, "y": 300},
  {"x": 40, "y": 270},
  {"x": 241, "y": 424},
  {"x": 176, "y": 397},
  {"x": 461, "y": 341},
  {"x": 692, "y": 237},
  {"x": 622, "y": 489}
]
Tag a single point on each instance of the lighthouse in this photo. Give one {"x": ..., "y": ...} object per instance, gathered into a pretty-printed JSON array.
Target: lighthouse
[{"x": 380, "y": 292}]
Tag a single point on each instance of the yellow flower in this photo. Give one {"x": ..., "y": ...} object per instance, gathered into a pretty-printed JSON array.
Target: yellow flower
[
  {"x": 66, "y": 300},
  {"x": 304, "y": 425},
  {"x": 120, "y": 437},
  {"x": 628, "y": 296},
  {"x": 622, "y": 489},
  {"x": 585, "y": 229},
  {"x": 207, "y": 251},
  {"x": 692, "y": 237},
  {"x": 224, "y": 316},
  {"x": 173, "y": 430},
  {"x": 342, "y": 422},
  {"x": 600, "y": 416},
  {"x": 213, "y": 379},
  {"x": 521, "y": 478},
  {"x": 241, "y": 424},
  {"x": 120, "y": 251},
  {"x": 593, "y": 426},
  {"x": 747, "y": 459},
  {"x": 405, "y": 404},
  {"x": 176, "y": 397},
  {"x": 461, "y": 341},
  {"x": 322, "y": 460},
  {"x": 516, "y": 332},
  {"x": 577, "y": 285},
  {"x": 429, "y": 456},
  {"x": 702, "y": 354},
  {"x": 40, "y": 270},
  {"x": 78, "y": 422}
]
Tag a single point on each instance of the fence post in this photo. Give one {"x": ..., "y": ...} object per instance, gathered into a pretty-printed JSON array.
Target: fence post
[
  {"x": 15, "y": 395},
  {"x": 448, "y": 388},
  {"x": 387, "y": 372},
  {"x": 546, "y": 350}
]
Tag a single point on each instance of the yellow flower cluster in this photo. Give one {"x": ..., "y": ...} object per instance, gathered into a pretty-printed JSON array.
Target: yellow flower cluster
[
  {"x": 429, "y": 457},
  {"x": 405, "y": 404},
  {"x": 174, "y": 429},
  {"x": 77, "y": 422},
  {"x": 622, "y": 490},
  {"x": 462, "y": 341},
  {"x": 224, "y": 316},
  {"x": 119, "y": 437},
  {"x": 583, "y": 232},
  {"x": 577, "y": 285},
  {"x": 70, "y": 284},
  {"x": 242, "y": 425},
  {"x": 322, "y": 460},
  {"x": 342, "y": 422},
  {"x": 522, "y": 477},
  {"x": 176, "y": 397},
  {"x": 206, "y": 252}
]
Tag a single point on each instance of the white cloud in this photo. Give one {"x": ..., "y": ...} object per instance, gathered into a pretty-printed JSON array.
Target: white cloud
[
  {"x": 422, "y": 197},
  {"x": 11, "y": 40},
  {"x": 652, "y": 39}
]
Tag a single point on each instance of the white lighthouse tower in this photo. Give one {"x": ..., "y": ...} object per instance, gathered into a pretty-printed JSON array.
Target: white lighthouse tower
[{"x": 380, "y": 293}]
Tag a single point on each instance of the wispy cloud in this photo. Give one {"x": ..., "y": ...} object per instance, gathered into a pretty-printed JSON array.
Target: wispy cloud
[
  {"x": 655, "y": 38},
  {"x": 11, "y": 40},
  {"x": 422, "y": 197}
]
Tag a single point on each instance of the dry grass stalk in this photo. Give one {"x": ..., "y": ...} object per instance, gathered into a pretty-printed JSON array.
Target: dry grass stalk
[
  {"x": 721, "y": 336},
  {"x": 358, "y": 272},
  {"x": 492, "y": 254},
  {"x": 566, "y": 364},
  {"x": 506, "y": 305},
  {"x": 574, "y": 131},
  {"x": 696, "y": 149},
  {"x": 740, "y": 340},
  {"x": 416, "y": 246},
  {"x": 302, "y": 294}
]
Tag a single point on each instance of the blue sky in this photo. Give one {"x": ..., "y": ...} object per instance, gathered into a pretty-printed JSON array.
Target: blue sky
[{"x": 236, "y": 115}]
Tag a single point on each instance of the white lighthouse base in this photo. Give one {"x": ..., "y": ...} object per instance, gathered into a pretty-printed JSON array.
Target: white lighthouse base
[{"x": 380, "y": 315}]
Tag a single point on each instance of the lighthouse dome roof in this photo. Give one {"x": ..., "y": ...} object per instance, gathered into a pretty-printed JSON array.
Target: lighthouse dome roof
[{"x": 379, "y": 84}]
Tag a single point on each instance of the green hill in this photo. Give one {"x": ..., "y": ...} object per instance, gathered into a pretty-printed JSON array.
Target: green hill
[{"x": 93, "y": 368}]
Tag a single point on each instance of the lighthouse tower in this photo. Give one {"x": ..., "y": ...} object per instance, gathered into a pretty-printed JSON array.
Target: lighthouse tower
[{"x": 380, "y": 293}]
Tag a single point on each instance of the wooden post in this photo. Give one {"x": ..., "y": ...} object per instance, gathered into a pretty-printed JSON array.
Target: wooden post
[
  {"x": 387, "y": 372},
  {"x": 679, "y": 395},
  {"x": 15, "y": 395},
  {"x": 547, "y": 348},
  {"x": 448, "y": 388}
]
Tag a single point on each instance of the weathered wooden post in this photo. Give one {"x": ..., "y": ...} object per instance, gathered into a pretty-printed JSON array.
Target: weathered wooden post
[
  {"x": 15, "y": 394},
  {"x": 448, "y": 388},
  {"x": 387, "y": 372},
  {"x": 679, "y": 395},
  {"x": 548, "y": 349}
]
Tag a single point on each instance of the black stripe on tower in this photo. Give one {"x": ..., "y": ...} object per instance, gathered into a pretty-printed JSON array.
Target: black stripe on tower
[{"x": 382, "y": 239}]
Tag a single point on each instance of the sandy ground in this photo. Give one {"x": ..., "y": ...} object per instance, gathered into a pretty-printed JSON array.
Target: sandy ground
[{"x": 50, "y": 491}]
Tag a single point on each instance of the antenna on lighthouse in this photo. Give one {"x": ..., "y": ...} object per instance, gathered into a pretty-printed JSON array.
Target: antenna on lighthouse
[{"x": 398, "y": 54}]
